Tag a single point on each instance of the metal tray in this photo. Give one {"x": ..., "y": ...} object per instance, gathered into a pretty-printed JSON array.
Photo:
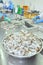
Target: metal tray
[
  {"x": 35, "y": 31},
  {"x": 31, "y": 61}
]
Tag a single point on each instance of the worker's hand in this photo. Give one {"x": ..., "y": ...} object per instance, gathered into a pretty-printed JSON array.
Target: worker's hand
[
  {"x": 39, "y": 21},
  {"x": 35, "y": 18}
]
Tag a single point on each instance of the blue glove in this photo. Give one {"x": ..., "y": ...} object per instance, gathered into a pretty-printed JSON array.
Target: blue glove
[
  {"x": 35, "y": 18},
  {"x": 5, "y": 7},
  {"x": 11, "y": 5},
  {"x": 38, "y": 21}
]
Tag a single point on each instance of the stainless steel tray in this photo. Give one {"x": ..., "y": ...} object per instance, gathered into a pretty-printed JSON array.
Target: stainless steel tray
[{"x": 37, "y": 60}]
